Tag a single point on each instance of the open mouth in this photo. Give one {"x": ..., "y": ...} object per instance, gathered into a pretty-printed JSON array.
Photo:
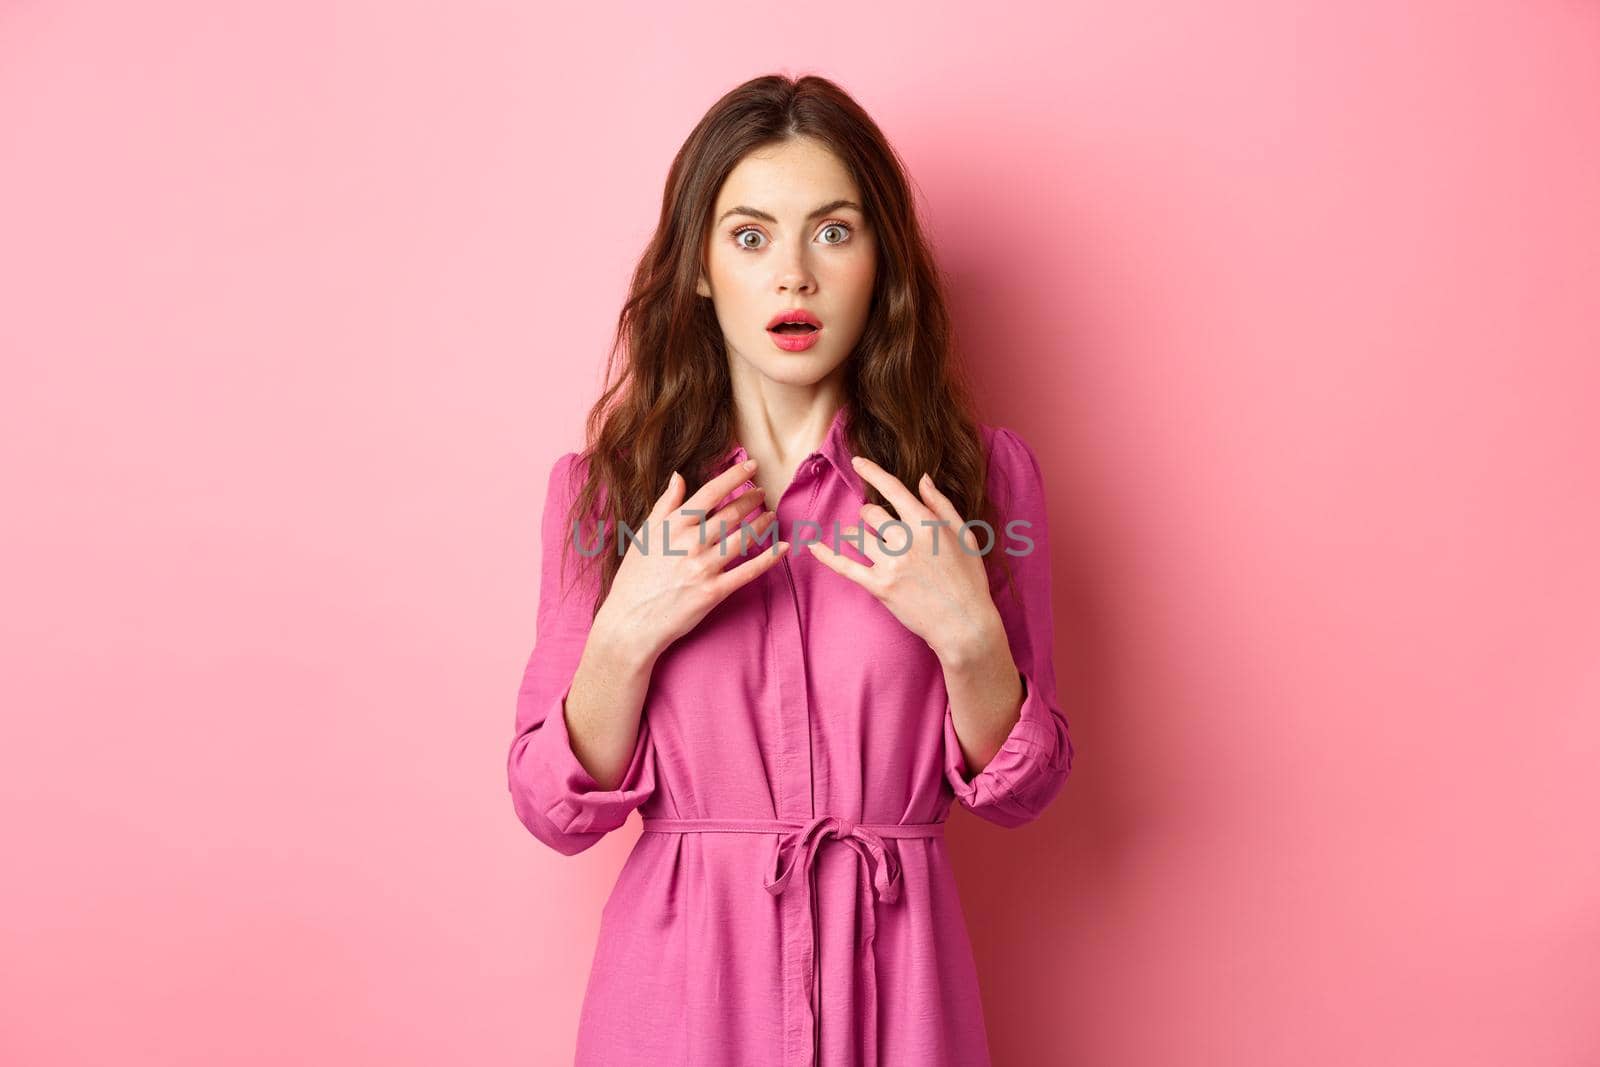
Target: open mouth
[{"x": 794, "y": 327}]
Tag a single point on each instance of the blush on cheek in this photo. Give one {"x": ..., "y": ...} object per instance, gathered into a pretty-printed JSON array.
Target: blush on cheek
[{"x": 858, "y": 270}]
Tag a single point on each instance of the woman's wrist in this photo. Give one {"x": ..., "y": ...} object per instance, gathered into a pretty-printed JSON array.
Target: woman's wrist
[
  {"x": 619, "y": 652},
  {"x": 977, "y": 637}
]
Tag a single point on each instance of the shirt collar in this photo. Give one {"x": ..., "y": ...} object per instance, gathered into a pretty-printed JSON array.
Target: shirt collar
[{"x": 835, "y": 450}]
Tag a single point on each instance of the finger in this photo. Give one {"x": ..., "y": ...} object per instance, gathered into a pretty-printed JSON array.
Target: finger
[
  {"x": 669, "y": 498},
  {"x": 734, "y": 513},
  {"x": 943, "y": 508},
  {"x": 841, "y": 564},
  {"x": 862, "y": 540},
  {"x": 888, "y": 536},
  {"x": 941, "y": 505},
  {"x": 747, "y": 571},
  {"x": 910, "y": 508},
  {"x": 735, "y": 542},
  {"x": 877, "y": 517},
  {"x": 681, "y": 526},
  {"x": 707, "y": 495},
  {"x": 865, "y": 541}
]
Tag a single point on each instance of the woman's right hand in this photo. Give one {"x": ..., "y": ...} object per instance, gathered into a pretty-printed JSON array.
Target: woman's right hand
[{"x": 656, "y": 597}]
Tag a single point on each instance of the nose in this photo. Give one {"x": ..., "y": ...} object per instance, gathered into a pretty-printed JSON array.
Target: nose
[{"x": 794, "y": 275}]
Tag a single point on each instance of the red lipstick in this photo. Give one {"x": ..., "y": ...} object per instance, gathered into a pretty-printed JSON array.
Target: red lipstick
[{"x": 797, "y": 337}]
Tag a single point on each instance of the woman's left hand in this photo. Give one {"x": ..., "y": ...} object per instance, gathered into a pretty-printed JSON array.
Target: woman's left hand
[{"x": 935, "y": 587}]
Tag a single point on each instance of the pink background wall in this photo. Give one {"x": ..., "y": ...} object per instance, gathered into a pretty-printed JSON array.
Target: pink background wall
[{"x": 1297, "y": 302}]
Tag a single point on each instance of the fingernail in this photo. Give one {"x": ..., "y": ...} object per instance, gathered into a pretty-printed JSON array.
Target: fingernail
[{"x": 749, "y": 464}]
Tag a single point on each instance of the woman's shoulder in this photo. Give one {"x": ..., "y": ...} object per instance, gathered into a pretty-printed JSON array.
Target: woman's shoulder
[
  {"x": 567, "y": 466},
  {"x": 571, "y": 470},
  {"x": 1012, "y": 461},
  {"x": 564, "y": 473},
  {"x": 568, "y": 474}
]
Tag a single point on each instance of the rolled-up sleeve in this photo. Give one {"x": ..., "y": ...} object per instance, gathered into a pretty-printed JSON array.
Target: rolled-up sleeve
[
  {"x": 558, "y": 800},
  {"x": 1033, "y": 763}
]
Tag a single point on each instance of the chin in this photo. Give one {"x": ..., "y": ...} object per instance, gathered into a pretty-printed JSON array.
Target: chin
[
  {"x": 794, "y": 371},
  {"x": 793, "y": 368}
]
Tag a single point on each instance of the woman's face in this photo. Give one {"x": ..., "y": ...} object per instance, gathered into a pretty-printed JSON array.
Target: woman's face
[{"x": 788, "y": 232}]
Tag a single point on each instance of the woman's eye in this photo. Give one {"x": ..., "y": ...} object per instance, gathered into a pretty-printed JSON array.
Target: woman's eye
[{"x": 748, "y": 237}]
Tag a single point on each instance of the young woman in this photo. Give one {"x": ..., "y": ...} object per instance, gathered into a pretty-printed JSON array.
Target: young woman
[{"x": 793, "y": 726}]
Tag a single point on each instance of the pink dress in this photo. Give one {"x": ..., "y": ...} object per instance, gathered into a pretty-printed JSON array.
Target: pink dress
[{"x": 790, "y": 900}]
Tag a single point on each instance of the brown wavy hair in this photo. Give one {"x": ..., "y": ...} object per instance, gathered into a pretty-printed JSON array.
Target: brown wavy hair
[{"x": 668, "y": 402}]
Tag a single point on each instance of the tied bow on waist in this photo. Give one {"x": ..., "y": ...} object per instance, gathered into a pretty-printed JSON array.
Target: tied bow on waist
[
  {"x": 796, "y": 850},
  {"x": 806, "y": 840}
]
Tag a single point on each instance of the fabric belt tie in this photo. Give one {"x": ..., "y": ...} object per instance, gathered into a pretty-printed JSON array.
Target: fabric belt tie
[{"x": 796, "y": 849}]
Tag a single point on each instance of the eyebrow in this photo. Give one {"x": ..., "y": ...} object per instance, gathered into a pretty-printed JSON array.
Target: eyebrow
[{"x": 832, "y": 205}]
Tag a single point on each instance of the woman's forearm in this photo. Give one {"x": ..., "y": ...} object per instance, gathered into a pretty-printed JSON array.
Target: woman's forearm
[
  {"x": 985, "y": 693},
  {"x": 604, "y": 702}
]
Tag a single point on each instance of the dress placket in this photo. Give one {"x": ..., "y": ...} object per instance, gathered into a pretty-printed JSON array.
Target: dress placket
[{"x": 798, "y": 921}]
